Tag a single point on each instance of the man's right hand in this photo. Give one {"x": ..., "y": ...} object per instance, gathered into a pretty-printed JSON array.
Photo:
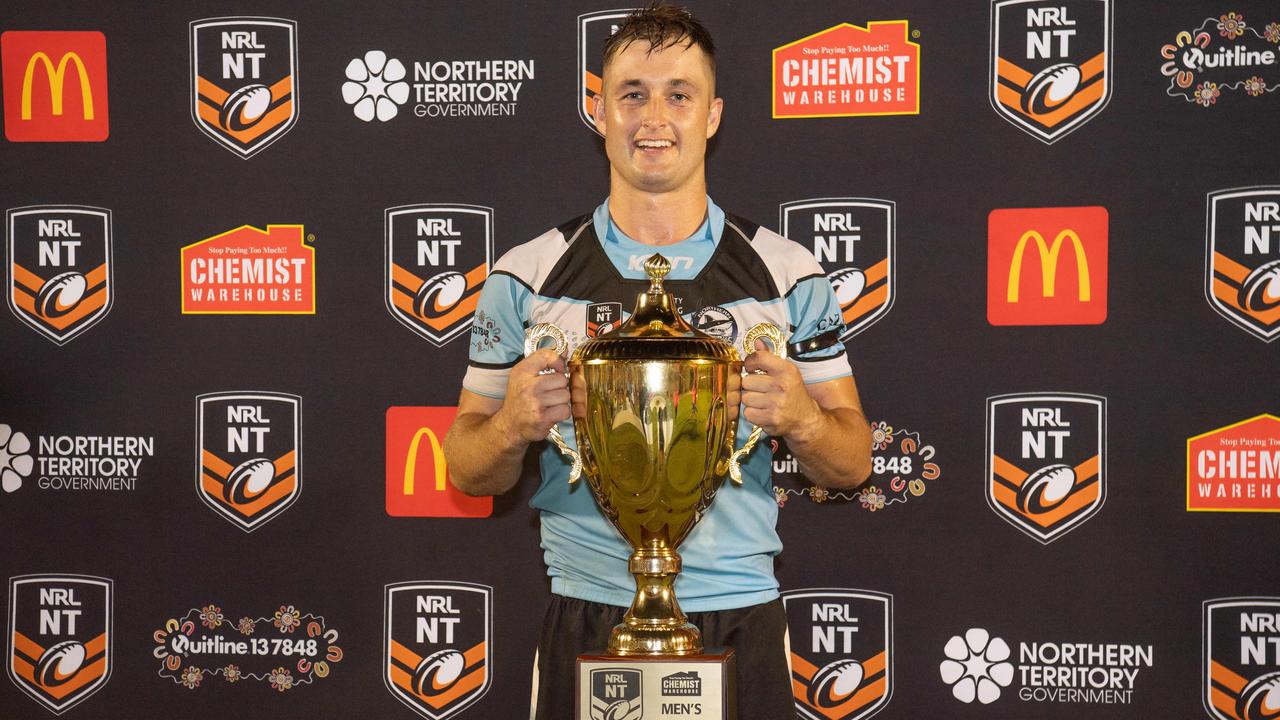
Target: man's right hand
[{"x": 537, "y": 396}]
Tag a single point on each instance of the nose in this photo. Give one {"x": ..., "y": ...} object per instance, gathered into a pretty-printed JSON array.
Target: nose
[{"x": 655, "y": 114}]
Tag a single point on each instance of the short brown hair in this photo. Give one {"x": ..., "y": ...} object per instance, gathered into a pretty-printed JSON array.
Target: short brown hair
[{"x": 661, "y": 26}]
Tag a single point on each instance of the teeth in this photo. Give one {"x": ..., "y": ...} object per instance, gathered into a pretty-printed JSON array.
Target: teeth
[{"x": 654, "y": 143}]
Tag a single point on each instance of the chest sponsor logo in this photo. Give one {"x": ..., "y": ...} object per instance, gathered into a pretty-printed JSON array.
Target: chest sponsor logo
[
  {"x": 603, "y": 317},
  {"x": 437, "y": 259},
  {"x": 1241, "y": 663},
  {"x": 244, "y": 80},
  {"x": 1224, "y": 54},
  {"x": 616, "y": 694},
  {"x": 1236, "y": 468},
  {"x": 248, "y": 455},
  {"x": 1046, "y": 460},
  {"x": 60, "y": 268},
  {"x": 1242, "y": 258},
  {"x": 285, "y": 649},
  {"x": 250, "y": 271},
  {"x": 841, "y": 652},
  {"x": 854, "y": 240},
  {"x": 61, "y": 637},
  {"x": 55, "y": 86},
  {"x": 593, "y": 30},
  {"x": 1047, "y": 266},
  {"x": 848, "y": 70},
  {"x": 1050, "y": 63},
  {"x": 417, "y": 475},
  {"x": 437, "y": 645}
]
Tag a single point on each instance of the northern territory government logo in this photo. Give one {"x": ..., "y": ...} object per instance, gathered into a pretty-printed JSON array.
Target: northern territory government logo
[
  {"x": 841, "y": 652},
  {"x": 1046, "y": 460},
  {"x": 248, "y": 454},
  {"x": 1226, "y": 53},
  {"x": 1241, "y": 663},
  {"x": 1050, "y": 63},
  {"x": 1236, "y": 468},
  {"x": 1047, "y": 266},
  {"x": 853, "y": 239},
  {"x": 250, "y": 271},
  {"x": 60, "y": 268},
  {"x": 593, "y": 30},
  {"x": 417, "y": 475},
  {"x": 244, "y": 80},
  {"x": 1242, "y": 258},
  {"x": 286, "y": 649},
  {"x": 848, "y": 70},
  {"x": 437, "y": 645},
  {"x": 61, "y": 637},
  {"x": 437, "y": 259},
  {"x": 55, "y": 86},
  {"x": 72, "y": 462},
  {"x": 377, "y": 85},
  {"x": 616, "y": 693}
]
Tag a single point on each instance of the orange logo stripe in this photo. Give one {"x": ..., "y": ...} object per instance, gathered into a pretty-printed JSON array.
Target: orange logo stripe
[
  {"x": 270, "y": 496},
  {"x": 464, "y": 685}
]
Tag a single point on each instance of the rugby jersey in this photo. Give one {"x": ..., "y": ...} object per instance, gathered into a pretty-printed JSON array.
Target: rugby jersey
[{"x": 584, "y": 277}]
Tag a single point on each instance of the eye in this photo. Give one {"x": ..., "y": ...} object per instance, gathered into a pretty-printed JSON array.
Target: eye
[{"x": 679, "y": 97}]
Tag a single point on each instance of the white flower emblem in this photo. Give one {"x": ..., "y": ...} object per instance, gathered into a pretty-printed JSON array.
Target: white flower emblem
[
  {"x": 375, "y": 86},
  {"x": 15, "y": 463},
  {"x": 976, "y": 666}
]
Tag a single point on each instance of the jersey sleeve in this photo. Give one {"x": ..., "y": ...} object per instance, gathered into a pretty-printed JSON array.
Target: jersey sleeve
[
  {"x": 497, "y": 334},
  {"x": 814, "y": 312}
]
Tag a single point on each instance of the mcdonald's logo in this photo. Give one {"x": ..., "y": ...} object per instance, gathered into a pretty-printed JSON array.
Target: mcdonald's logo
[
  {"x": 55, "y": 86},
  {"x": 417, "y": 477},
  {"x": 1047, "y": 266}
]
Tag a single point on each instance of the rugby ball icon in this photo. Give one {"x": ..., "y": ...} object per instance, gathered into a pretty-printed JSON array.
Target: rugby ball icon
[
  {"x": 60, "y": 294},
  {"x": 1046, "y": 487},
  {"x": 245, "y": 107},
  {"x": 1260, "y": 291},
  {"x": 438, "y": 672},
  {"x": 848, "y": 284},
  {"x": 249, "y": 480},
  {"x": 59, "y": 663},
  {"x": 439, "y": 294},
  {"x": 1050, "y": 88},
  {"x": 1260, "y": 699},
  {"x": 835, "y": 682}
]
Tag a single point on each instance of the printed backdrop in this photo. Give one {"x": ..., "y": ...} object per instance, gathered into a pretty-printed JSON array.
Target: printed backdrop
[{"x": 243, "y": 245}]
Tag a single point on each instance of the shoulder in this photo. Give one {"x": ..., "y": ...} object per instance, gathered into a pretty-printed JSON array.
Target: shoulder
[
  {"x": 532, "y": 262},
  {"x": 788, "y": 262}
]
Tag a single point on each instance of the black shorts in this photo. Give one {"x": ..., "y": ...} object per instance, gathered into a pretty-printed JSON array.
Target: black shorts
[{"x": 757, "y": 635}]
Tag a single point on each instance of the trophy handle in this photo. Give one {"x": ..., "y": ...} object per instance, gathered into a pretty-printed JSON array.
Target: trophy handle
[
  {"x": 532, "y": 338},
  {"x": 770, "y": 332}
]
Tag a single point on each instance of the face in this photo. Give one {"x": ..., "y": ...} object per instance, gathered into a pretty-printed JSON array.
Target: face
[{"x": 656, "y": 112}]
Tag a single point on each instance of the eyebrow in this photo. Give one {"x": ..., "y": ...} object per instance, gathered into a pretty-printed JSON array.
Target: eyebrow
[{"x": 674, "y": 83}]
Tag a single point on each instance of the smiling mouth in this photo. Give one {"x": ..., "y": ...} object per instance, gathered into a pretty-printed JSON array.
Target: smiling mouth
[{"x": 654, "y": 144}]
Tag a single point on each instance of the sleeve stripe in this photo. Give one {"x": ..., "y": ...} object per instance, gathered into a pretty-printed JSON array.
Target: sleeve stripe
[
  {"x": 796, "y": 284},
  {"x": 824, "y": 358},
  {"x": 522, "y": 283},
  {"x": 493, "y": 366}
]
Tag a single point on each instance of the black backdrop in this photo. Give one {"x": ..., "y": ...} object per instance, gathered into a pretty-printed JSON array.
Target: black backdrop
[{"x": 1169, "y": 365}]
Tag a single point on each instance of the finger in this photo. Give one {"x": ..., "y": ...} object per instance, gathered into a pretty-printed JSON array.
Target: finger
[
  {"x": 549, "y": 381},
  {"x": 556, "y": 414},
  {"x": 757, "y": 384},
  {"x": 553, "y": 398},
  {"x": 756, "y": 400}
]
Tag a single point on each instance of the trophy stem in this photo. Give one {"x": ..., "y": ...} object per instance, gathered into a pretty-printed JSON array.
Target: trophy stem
[{"x": 655, "y": 625}]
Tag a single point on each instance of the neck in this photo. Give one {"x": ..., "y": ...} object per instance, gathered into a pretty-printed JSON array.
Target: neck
[{"x": 658, "y": 218}]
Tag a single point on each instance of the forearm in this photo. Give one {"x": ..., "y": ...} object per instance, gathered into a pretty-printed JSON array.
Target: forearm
[
  {"x": 484, "y": 456},
  {"x": 834, "y": 448}
]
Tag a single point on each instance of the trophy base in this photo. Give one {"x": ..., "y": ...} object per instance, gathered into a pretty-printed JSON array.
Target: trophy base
[
  {"x": 703, "y": 685},
  {"x": 628, "y": 640}
]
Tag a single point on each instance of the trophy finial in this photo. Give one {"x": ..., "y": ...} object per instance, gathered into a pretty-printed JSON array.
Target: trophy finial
[{"x": 657, "y": 268}]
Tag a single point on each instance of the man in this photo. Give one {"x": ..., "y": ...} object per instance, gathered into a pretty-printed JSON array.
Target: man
[{"x": 656, "y": 111}]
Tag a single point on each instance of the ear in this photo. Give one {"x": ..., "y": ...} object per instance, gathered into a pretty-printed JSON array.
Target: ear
[
  {"x": 713, "y": 116},
  {"x": 597, "y": 114}
]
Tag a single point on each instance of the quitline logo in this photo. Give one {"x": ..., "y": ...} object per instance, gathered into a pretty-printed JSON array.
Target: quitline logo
[
  {"x": 244, "y": 80},
  {"x": 1242, "y": 258},
  {"x": 437, "y": 645},
  {"x": 60, "y": 637},
  {"x": 60, "y": 268},
  {"x": 1226, "y": 53},
  {"x": 248, "y": 455},
  {"x": 1065, "y": 249},
  {"x": 842, "y": 652},
  {"x": 55, "y": 86}
]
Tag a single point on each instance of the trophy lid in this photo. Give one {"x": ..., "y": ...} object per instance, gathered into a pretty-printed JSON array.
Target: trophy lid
[{"x": 655, "y": 331}]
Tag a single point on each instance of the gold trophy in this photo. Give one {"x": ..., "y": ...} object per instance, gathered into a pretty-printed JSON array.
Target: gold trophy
[{"x": 655, "y": 413}]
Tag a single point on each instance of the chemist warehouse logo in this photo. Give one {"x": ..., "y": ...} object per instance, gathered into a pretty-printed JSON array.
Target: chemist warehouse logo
[
  {"x": 853, "y": 239},
  {"x": 244, "y": 80},
  {"x": 60, "y": 268},
  {"x": 847, "y": 70},
  {"x": 250, "y": 271},
  {"x": 1242, "y": 258},
  {"x": 841, "y": 652},
  {"x": 979, "y": 667},
  {"x": 1241, "y": 663},
  {"x": 437, "y": 647},
  {"x": 437, "y": 259},
  {"x": 1050, "y": 63},
  {"x": 377, "y": 86},
  {"x": 593, "y": 30},
  {"x": 60, "y": 637},
  {"x": 1046, "y": 460},
  {"x": 248, "y": 455}
]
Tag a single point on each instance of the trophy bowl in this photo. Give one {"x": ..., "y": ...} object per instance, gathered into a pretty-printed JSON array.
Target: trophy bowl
[{"x": 655, "y": 414}]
